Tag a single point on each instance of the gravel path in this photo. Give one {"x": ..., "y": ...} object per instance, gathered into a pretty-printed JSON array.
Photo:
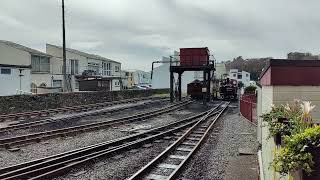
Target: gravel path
[{"x": 229, "y": 134}]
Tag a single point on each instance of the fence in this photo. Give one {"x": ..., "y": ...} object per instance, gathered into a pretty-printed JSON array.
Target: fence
[{"x": 248, "y": 107}]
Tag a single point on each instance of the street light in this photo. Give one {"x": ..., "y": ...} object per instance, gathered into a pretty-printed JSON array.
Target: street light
[{"x": 20, "y": 79}]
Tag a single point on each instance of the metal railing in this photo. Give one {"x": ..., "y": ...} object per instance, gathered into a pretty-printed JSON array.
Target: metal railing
[{"x": 248, "y": 107}]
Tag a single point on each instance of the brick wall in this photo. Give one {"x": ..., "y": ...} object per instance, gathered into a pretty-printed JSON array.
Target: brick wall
[{"x": 22, "y": 103}]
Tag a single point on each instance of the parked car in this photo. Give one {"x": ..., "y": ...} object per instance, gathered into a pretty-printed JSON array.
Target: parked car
[{"x": 141, "y": 87}]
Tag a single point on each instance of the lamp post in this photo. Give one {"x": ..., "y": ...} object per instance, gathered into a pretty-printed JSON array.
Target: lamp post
[{"x": 20, "y": 80}]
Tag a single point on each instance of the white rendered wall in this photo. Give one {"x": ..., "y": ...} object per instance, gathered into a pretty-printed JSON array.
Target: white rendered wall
[{"x": 10, "y": 83}]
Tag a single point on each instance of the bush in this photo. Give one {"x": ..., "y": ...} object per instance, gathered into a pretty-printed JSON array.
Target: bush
[
  {"x": 250, "y": 89},
  {"x": 296, "y": 154}
]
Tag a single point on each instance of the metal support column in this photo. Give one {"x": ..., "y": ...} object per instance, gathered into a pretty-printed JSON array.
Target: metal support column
[
  {"x": 171, "y": 86},
  {"x": 179, "y": 79},
  {"x": 205, "y": 85},
  {"x": 208, "y": 86}
]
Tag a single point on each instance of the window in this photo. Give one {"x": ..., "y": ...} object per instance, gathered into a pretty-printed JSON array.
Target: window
[
  {"x": 239, "y": 76},
  {"x": 247, "y": 75},
  {"x": 74, "y": 66},
  {"x": 104, "y": 68},
  {"x": 57, "y": 83},
  {"x": 40, "y": 63},
  {"x": 117, "y": 69},
  {"x": 234, "y": 75},
  {"x": 5, "y": 71},
  {"x": 94, "y": 67},
  {"x": 127, "y": 74}
]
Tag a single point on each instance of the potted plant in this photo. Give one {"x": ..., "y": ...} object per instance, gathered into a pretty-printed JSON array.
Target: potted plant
[
  {"x": 277, "y": 122},
  {"x": 285, "y": 120},
  {"x": 302, "y": 152}
]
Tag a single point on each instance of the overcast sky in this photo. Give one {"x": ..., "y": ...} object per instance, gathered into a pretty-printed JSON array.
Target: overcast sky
[{"x": 137, "y": 32}]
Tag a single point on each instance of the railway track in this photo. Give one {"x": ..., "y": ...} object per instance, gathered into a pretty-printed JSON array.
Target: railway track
[
  {"x": 37, "y": 123},
  {"x": 49, "y": 112},
  {"x": 52, "y": 166},
  {"x": 36, "y": 137},
  {"x": 167, "y": 165}
]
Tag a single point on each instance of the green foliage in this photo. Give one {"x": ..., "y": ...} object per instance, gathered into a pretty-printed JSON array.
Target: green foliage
[
  {"x": 293, "y": 124},
  {"x": 250, "y": 89},
  {"x": 253, "y": 66},
  {"x": 296, "y": 154}
]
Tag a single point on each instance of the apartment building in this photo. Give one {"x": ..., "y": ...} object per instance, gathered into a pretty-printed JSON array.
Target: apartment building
[
  {"x": 138, "y": 77},
  {"x": 82, "y": 66},
  {"x": 127, "y": 79},
  {"x": 240, "y": 76}
]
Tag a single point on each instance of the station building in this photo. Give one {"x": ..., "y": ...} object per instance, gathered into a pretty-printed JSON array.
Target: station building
[{"x": 282, "y": 81}]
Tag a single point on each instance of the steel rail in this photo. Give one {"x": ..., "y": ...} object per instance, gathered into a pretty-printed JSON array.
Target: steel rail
[
  {"x": 70, "y": 117},
  {"x": 46, "y": 113},
  {"x": 158, "y": 162},
  {"x": 7, "y": 142},
  {"x": 47, "y": 167}
]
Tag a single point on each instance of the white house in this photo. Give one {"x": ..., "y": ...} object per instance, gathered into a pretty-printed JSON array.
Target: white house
[
  {"x": 240, "y": 76},
  {"x": 20, "y": 64},
  {"x": 139, "y": 77},
  {"x": 161, "y": 76},
  {"x": 81, "y": 65}
]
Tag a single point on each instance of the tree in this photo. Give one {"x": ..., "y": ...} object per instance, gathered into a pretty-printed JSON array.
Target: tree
[{"x": 254, "y": 66}]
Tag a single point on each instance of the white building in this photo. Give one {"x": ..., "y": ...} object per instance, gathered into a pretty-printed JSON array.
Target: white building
[
  {"x": 16, "y": 62},
  {"x": 161, "y": 76},
  {"x": 220, "y": 71},
  {"x": 80, "y": 66},
  {"x": 240, "y": 76},
  {"x": 139, "y": 77},
  {"x": 126, "y": 79}
]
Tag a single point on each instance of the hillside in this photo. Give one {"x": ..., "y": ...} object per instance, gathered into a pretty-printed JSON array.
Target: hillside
[{"x": 253, "y": 65}]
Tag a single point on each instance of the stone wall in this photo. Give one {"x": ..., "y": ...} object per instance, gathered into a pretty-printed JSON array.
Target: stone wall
[{"x": 22, "y": 103}]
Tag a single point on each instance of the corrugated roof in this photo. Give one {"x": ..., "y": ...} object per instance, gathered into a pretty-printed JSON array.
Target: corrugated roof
[
  {"x": 23, "y": 48},
  {"x": 91, "y": 56}
]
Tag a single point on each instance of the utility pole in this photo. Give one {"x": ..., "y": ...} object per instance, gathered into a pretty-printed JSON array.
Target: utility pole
[{"x": 64, "y": 66}]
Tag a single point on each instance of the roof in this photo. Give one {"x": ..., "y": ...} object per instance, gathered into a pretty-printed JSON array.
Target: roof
[
  {"x": 15, "y": 66},
  {"x": 289, "y": 63},
  {"x": 23, "y": 48},
  {"x": 91, "y": 56}
]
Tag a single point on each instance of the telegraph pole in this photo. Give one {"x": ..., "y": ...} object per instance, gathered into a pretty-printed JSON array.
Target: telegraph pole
[{"x": 64, "y": 66}]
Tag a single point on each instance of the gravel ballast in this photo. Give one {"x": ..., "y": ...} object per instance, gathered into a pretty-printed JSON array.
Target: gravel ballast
[
  {"x": 54, "y": 146},
  {"x": 229, "y": 134}
]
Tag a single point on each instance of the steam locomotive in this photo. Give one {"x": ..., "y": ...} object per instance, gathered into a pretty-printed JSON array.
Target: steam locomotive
[{"x": 227, "y": 89}]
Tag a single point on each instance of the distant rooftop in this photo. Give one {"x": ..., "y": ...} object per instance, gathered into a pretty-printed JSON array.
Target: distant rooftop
[
  {"x": 91, "y": 56},
  {"x": 23, "y": 48}
]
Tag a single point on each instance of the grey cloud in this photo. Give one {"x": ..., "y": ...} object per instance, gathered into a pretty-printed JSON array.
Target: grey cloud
[{"x": 140, "y": 31}]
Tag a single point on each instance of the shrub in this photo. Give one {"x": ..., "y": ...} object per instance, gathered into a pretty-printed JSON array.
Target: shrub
[
  {"x": 250, "y": 89},
  {"x": 296, "y": 154}
]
